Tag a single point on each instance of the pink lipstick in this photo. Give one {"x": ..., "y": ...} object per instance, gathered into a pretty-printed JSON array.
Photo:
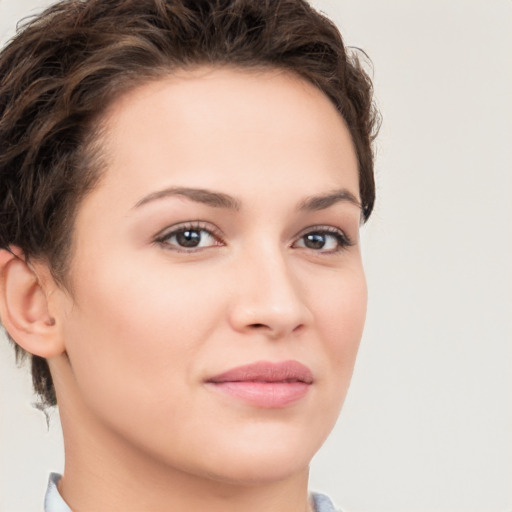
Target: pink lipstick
[{"x": 265, "y": 384}]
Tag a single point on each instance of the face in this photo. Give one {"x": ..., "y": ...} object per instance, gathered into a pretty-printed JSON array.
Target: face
[{"x": 218, "y": 291}]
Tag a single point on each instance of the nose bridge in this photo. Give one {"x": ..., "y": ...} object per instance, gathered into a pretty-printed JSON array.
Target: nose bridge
[{"x": 269, "y": 297}]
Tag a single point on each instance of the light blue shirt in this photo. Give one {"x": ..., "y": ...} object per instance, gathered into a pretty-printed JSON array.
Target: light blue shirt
[{"x": 54, "y": 503}]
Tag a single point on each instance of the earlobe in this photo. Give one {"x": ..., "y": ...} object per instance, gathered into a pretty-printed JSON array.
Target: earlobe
[{"x": 24, "y": 310}]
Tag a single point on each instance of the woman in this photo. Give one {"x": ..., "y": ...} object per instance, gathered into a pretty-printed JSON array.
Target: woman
[{"x": 182, "y": 185}]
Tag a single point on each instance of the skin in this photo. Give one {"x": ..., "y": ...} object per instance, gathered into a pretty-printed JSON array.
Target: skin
[{"x": 148, "y": 322}]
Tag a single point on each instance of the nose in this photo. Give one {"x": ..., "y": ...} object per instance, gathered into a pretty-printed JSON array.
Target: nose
[{"x": 268, "y": 297}]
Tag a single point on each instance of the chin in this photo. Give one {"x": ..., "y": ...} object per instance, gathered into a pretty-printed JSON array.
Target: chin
[
  {"x": 259, "y": 470},
  {"x": 249, "y": 461}
]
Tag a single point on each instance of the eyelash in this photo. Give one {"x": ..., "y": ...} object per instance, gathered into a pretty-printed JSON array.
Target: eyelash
[
  {"x": 182, "y": 228},
  {"x": 342, "y": 240}
]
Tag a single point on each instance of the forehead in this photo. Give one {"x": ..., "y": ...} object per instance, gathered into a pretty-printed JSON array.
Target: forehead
[{"x": 227, "y": 126}]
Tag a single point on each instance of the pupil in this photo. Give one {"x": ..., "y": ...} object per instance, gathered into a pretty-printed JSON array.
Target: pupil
[
  {"x": 188, "y": 238},
  {"x": 315, "y": 241}
]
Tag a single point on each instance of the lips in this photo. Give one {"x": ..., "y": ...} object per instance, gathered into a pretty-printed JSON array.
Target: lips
[{"x": 264, "y": 384}]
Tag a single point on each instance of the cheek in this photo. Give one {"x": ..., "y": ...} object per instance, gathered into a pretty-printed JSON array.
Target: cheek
[
  {"x": 340, "y": 315},
  {"x": 349, "y": 318},
  {"x": 340, "y": 309},
  {"x": 135, "y": 334}
]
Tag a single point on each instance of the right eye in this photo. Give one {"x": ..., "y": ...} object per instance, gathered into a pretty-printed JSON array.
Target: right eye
[{"x": 189, "y": 237}]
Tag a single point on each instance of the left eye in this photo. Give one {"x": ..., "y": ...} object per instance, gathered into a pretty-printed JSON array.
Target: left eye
[
  {"x": 189, "y": 238},
  {"x": 323, "y": 241}
]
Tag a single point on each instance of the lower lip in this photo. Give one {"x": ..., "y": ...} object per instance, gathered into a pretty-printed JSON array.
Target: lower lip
[{"x": 268, "y": 395}]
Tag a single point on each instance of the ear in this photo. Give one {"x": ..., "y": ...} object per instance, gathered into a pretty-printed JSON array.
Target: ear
[{"x": 24, "y": 307}]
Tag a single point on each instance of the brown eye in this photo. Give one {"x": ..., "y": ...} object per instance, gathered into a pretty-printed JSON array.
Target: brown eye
[
  {"x": 315, "y": 241},
  {"x": 189, "y": 238},
  {"x": 323, "y": 240}
]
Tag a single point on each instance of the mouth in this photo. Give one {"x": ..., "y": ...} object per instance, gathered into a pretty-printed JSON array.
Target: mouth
[{"x": 264, "y": 384}]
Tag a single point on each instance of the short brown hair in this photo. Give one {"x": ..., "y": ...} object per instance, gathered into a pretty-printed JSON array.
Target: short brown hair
[{"x": 62, "y": 70}]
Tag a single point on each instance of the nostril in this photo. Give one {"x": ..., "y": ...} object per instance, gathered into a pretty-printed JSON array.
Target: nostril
[{"x": 258, "y": 326}]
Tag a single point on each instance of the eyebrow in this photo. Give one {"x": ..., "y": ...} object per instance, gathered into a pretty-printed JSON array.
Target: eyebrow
[
  {"x": 199, "y": 195},
  {"x": 316, "y": 203},
  {"x": 221, "y": 200}
]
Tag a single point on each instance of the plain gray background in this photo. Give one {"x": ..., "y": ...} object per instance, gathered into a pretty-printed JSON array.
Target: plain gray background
[{"x": 427, "y": 425}]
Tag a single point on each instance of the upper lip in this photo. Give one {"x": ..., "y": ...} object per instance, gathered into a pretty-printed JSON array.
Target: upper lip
[{"x": 266, "y": 371}]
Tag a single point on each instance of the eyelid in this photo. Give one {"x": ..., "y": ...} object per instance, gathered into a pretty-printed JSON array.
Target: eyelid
[
  {"x": 166, "y": 233},
  {"x": 344, "y": 239}
]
